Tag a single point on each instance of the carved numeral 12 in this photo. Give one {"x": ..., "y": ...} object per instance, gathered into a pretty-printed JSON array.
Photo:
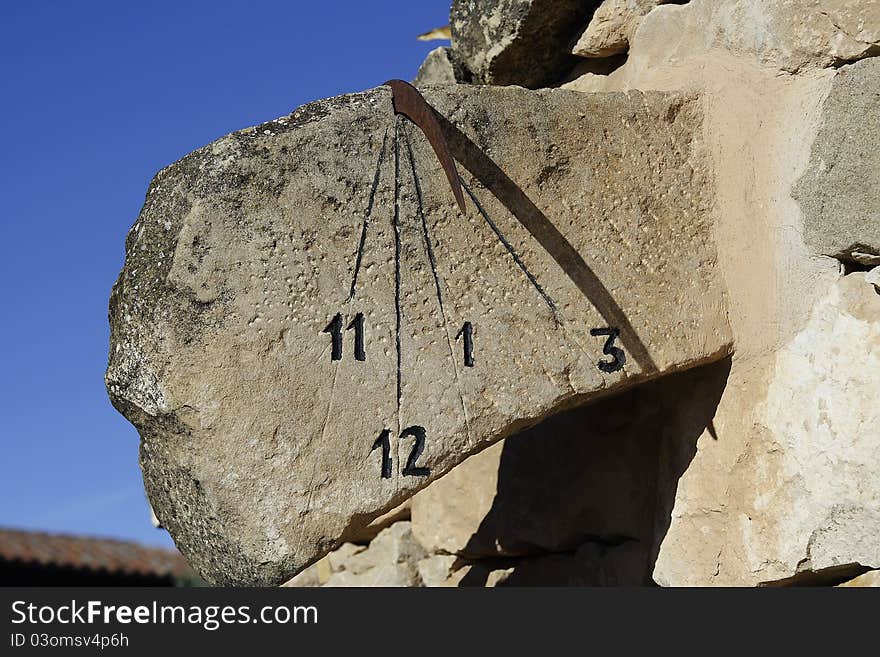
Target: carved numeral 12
[
  {"x": 334, "y": 328},
  {"x": 383, "y": 442}
]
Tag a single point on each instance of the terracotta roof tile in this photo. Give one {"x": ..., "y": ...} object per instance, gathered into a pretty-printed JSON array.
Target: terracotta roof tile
[{"x": 104, "y": 554}]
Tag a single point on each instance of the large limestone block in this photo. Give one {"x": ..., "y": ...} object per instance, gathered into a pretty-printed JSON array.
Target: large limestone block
[
  {"x": 802, "y": 498},
  {"x": 840, "y": 192},
  {"x": 761, "y": 127},
  {"x": 305, "y": 337},
  {"x": 785, "y": 35},
  {"x": 522, "y": 42},
  {"x": 823, "y": 406},
  {"x": 393, "y": 558}
]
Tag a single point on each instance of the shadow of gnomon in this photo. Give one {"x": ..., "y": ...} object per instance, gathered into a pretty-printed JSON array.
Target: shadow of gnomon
[
  {"x": 455, "y": 144},
  {"x": 493, "y": 178}
]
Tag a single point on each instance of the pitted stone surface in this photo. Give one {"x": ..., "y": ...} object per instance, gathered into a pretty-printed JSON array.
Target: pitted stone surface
[
  {"x": 260, "y": 452},
  {"x": 840, "y": 192}
]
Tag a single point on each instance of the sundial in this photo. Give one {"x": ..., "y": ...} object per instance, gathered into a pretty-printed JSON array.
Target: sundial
[
  {"x": 320, "y": 315},
  {"x": 397, "y": 151}
]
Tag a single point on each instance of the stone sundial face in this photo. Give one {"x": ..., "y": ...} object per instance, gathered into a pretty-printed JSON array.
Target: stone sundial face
[
  {"x": 424, "y": 337},
  {"x": 308, "y": 329}
]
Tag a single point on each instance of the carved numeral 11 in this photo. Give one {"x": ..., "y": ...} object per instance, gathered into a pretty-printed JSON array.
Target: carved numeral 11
[{"x": 334, "y": 328}]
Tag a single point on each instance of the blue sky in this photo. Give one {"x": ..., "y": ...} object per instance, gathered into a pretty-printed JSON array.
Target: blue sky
[{"x": 97, "y": 97}]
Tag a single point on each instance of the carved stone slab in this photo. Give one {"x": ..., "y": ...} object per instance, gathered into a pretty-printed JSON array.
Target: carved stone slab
[{"x": 307, "y": 330}]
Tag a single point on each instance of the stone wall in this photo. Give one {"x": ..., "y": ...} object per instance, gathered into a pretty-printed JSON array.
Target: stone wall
[
  {"x": 761, "y": 469},
  {"x": 670, "y": 265}
]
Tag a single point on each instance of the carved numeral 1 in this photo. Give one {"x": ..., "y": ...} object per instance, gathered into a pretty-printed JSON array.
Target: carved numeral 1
[
  {"x": 358, "y": 325},
  {"x": 384, "y": 441},
  {"x": 467, "y": 332},
  {"x": 334, "y": 328}
]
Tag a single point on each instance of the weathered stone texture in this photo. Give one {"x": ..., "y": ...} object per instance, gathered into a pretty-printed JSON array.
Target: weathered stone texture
[
  {"x": 769, "y": 492},
  {"x": 840, "y": 191},
  {"x": 794, "y": 490},
  {"x": 518, "y": 42},
  {"x": 793, "y": 36},
  {"x": 393, "y": 558},
  {"x": 256, "y": 443},
  {"x": 437, "y": 68},
  {"x": 824, "y": 410},
  {"x": 612, "y": 27}
]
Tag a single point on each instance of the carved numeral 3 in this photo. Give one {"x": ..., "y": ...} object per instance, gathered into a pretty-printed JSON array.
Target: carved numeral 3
[{"x": 618, "y": 357}]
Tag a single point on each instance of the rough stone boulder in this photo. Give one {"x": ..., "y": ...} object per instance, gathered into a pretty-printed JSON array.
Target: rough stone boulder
[
  {"x": 438, "y": 68},
  {"x": 612, "y": 26},
  {"x": 522, "y": 42},
  {"x": 307, "y": 330},
  {"x": 393, "y": 558},
  {"x": 840, "y": 192},
  {"x": 794, "y": 36}
]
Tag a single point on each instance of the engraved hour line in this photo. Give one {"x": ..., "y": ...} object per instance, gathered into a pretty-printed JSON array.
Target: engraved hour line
[
  {"x": 397, "y": 259},
  {"x": 433, "y": 262},
  {"x": 513, "y": 254},
  {"x": 557, "y": 317},
  {"x": 360, "y": 253},
  {"x": 362, "y": 244}
]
